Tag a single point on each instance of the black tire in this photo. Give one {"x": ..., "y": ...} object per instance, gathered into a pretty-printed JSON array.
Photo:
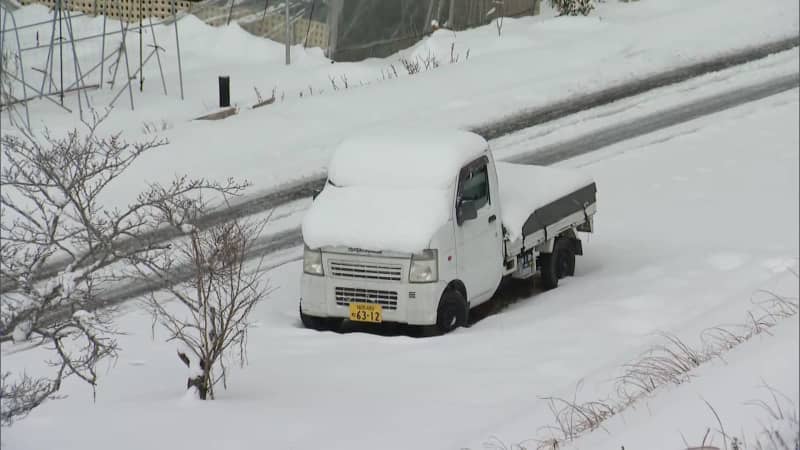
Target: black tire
[
  {"x": 557, "y": 265},
  {"x": 320, "y": 323},
  {"x": 452, "y": 313}
]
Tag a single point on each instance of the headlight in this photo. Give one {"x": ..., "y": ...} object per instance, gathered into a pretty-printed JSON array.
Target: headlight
[
  {"x": 424, "y": 267},
  {"x": 312, "y": 261}
]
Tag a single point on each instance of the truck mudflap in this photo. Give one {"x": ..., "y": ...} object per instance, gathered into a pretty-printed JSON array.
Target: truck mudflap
[{"x": 554, "y": 211}]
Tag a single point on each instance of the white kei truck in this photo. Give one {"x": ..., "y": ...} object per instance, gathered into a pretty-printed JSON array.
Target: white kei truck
[{"x": 419, "y": 226}]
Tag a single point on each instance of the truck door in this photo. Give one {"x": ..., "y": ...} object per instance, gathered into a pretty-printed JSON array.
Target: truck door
[{"x": 478, "y": 239}]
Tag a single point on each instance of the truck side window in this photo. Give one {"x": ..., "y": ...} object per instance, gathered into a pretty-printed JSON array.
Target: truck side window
[{"x": 475, "y": 187}]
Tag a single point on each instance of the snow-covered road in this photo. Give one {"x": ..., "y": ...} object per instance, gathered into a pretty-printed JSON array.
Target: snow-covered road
[
  {"x": 692, "y": 220},
  {"x": 604, "y": 126}
]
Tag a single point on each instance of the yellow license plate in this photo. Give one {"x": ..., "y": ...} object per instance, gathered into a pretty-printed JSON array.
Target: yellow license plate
[{"x": 366, "y": 312}]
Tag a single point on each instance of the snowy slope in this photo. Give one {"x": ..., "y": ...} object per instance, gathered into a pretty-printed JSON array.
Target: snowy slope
[
  {"x": 762, "y": 370},
  {"x": 692, "y": 221}
]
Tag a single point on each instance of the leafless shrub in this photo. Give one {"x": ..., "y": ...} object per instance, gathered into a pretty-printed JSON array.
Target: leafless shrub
[
  {"x": 215, "y": 300},
  {"x": 50, "y": 210},
  {"x": 412, "y": 66},
  {"x": 21, "y": 395},
  {"x": 153, "y": 127},
  {"x": 389, "y": 73},
  {"x": 343, "y": 79},
  {"x": 572, "y": 7},
  {"x": 429, "y": 62},
  {"x": 453, "y": 56}
]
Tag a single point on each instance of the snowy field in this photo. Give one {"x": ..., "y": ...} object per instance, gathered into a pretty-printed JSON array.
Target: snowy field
[
  {"x": 536, "y": 61},
  {"x": 692, "y": 221}
]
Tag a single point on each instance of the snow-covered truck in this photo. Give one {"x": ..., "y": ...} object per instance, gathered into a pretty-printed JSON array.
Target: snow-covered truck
[{"x": 418, "y": 227}]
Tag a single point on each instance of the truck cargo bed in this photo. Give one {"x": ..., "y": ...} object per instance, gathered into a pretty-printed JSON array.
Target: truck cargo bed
[{"x": 540, "y": 202}]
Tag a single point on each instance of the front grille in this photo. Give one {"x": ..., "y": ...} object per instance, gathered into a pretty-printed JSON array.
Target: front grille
[
  {"x": 348, "y": 269},
  {"x": 345, "y": 295}
]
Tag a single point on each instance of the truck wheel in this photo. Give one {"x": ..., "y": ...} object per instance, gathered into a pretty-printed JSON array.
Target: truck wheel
[
  {"x": 557, "y": 265},
  {"x": 452, "y": 313},
  {"x": 320, "y": 323}
]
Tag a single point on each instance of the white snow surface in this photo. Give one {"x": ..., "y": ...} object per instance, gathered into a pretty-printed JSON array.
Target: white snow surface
[
  {"x": 292, "y": 139},
  {"x": 83, "y": 316},
  {"x": 764, "y": 369},
  {"x": 394, "y": 219},
  {"x": 21, "y": 330},
  {"x": 188, "y": 228},
  {"x": 404, "y": 158},
  {"x": 526, "y": 188},
  {"x": 678, "y": 208},
  {"x": 692, "y": 220}
]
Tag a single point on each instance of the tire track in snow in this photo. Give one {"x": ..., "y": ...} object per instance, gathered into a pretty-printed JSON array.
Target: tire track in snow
[
  {"x": 546, "y": 155},
  {"x": 304, "y": 188}
]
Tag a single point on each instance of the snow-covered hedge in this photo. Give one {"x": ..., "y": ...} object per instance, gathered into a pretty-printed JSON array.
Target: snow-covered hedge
[{"x": 572, "y": 7}]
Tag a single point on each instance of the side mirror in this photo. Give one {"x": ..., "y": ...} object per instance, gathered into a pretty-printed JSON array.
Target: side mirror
[
  {"x": 466, "y": 211},
  {"x": 316, "y": 193}
]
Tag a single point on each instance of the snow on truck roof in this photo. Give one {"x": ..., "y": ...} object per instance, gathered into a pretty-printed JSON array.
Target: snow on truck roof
[{"x": 418, "y": 158}]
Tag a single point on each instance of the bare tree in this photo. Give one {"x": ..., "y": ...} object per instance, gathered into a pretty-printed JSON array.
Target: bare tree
[
  {"x": 51, "y": 210},
  {"x": 215, "y": 296}
]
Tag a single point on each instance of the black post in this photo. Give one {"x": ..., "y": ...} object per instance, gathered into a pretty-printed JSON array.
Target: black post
[{"x": 224, "y": 92}]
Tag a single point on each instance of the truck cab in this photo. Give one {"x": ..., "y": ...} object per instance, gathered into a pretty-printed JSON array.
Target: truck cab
[{"x": 409, "y": 228}]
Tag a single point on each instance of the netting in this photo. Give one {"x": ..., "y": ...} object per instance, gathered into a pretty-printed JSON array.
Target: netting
[
  {"x": 374, "y": 28},
  {"x": 351, "y": 30}
]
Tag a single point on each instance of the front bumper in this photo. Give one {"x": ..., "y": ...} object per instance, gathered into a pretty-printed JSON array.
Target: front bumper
[{"x": 402, "y": 302}]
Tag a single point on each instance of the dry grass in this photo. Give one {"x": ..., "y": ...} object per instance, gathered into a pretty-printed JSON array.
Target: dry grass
[
  {"x": 671, "y": 363},
  {"x": 573, "y": 418}
]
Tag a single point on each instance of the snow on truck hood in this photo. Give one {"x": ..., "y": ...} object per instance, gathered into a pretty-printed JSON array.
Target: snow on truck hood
[
  {"x": 401, "y": 220},
  {"x": 390, "y": 189}
]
